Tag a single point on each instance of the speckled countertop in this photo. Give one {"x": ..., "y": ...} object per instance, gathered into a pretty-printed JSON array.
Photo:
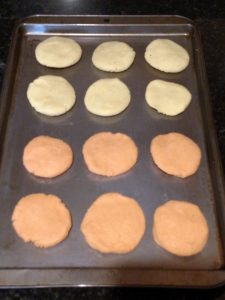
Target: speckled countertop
[{"x": 210, "y": 19}]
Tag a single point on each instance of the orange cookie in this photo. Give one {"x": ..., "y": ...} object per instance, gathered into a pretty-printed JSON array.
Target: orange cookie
[
  {"x": 41, "y": 219},
  {"x": 110, "y": 154},
  {"x": 175, "y": 154},
  {"x": 113, "y": 224},
  {"x": 180, "y": 228},
  {"x": 46, "y": 156}
]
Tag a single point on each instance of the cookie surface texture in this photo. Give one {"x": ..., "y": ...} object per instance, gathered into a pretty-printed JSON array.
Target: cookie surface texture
[
  {"x": 113, "y": 224},
  {"x": 113, "y": 56},
  {"x": 175, "y": 154},
  {"x": 107, "y": 97},
  {"x": 167, "y": 56},
  {"x": 58, "y": 52},
  {"x": 110, "y": 154},
  {"x": 180, "y": 228},
  {"x": 41, "y": 219},
  {"x": 168, "y": 98},
  {"x": 51, "y": 95},
  {"x": 48, "y": 157}
]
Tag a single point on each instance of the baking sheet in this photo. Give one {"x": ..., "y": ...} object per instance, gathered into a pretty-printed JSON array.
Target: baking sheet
[{"x": 78, "y": 188}]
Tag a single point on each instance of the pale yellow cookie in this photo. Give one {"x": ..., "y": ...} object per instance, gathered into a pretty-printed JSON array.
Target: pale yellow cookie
[
  {"x": 167, "y": 56},
  {"x": 175, "y": 154},
  {"x": 107, "y": 97},
  {"x": 113, "y": 56},
  {"x": 46, "y": 156},
  {"x": 110, "y": 154},
  {"x": 166, "y": 97},
  {"x": 113, "y": 224},
  {"x": 180, "y": 228},
  {"x": 41, "y": 219},
  {"x": 51, "y": 95},
  {"x": 58, "y": 52}
]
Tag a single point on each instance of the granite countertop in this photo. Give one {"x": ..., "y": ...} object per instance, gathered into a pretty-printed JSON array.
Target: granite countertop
[{"x": 210, "y": 19}]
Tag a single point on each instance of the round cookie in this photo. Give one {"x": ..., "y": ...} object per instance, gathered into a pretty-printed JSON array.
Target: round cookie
[
  {"x": 167, "y": 56},
  {"x": 58, "y": 52},
  {"x": 180, "y": 228},
  {"x": 109, "y": 154},
  {"x": 41, "y": 219},
  {"x": 168, "y": 98},
  {"x": 51, "y": 95},
  {"x": 47, "y": 157},
  {"x": 113, "y": 224},
  {"x": 113, "y": 56},
  {"x": 175, "y": 154},
  {"x": 107, "y": 97}
]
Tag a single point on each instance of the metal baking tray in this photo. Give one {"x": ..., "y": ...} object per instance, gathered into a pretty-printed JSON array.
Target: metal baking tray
[{"x": 73, "y": 262}]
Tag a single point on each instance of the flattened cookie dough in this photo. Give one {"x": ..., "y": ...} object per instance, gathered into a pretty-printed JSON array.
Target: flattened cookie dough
[
  {"x": 58, "y": 52},
  {"x": 113, "y": 56},
  {"x": 107, "y": 97},
  {"x": 41, "y": 219},
  {"x": 175, "y": 154},
  {"x": 51, "y": 95},
  {"x": 47, "y": 157},
  {"x": 113, "y": 224},
  {"x": 168, "y": 98},
  {"x": 167, "y": 56},
  {"x": 180, "y": 228},
  {"x": 110, "y": 154}
]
